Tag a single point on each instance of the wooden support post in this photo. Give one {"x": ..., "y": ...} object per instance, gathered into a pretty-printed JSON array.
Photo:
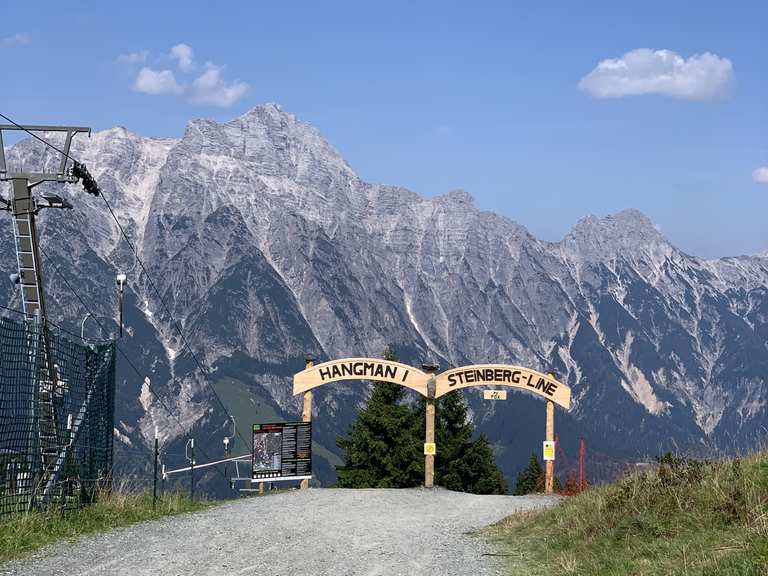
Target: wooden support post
[
  {"x": 429, "y": 432},
  {"x": 261, "y": 488},
  {"x": 429, "y": 438},
  {"x": 550, "y": 464},
  {"x": 306, "y": 414}
]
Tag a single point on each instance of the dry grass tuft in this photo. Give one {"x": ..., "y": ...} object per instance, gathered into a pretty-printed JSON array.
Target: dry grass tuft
[{"x": 685, "y": 517}]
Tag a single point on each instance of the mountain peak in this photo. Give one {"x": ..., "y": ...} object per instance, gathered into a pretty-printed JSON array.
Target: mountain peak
[
  {"x": 628, "y": 233},
  {"x": 457, "y": 196},
  {"x": 629, "y": 222},
  {"x": 268, "y": 110}
]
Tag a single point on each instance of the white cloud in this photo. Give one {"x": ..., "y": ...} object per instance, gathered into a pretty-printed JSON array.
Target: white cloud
[
  {"x": 644, "y": 71},
  {"x": 137, "y": 57},
  {"x": 760, "y": 175},
  {"x": 157, "y": 82},
  {"x": 182, "y": 53},
  {"x": 16, "y": 40},
  {"x": 208, "y": 88},
  {"x": 211, "y": 88}
]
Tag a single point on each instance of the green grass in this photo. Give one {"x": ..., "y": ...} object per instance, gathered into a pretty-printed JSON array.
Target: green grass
[
  {"x": 686, "y": 518},
  {"x": 22, "y": 533}
]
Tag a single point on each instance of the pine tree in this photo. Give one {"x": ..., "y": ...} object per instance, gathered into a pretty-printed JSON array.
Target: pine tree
[
  {"x": 462, "y": 464},
  {"x": 475, "y": 470},
  {"x": 530, "y": 479},
  {"x": 384, "y": 447}
]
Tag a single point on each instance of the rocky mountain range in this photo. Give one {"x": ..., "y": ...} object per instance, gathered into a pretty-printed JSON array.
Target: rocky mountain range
[{"x": 265, "y": 246}]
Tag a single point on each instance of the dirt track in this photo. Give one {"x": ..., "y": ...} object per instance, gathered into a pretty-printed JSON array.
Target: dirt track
[{"x": 316, "y": 532}]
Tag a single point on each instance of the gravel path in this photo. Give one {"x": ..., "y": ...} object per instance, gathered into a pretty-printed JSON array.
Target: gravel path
[{"x": 313, "y": 532}]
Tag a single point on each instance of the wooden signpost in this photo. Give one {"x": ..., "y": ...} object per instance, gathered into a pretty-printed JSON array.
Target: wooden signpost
[
  {"x": 544, "y": 385},
  {"x": 430, "y": 449},
  {"x": 360, "y": 369},
  {"x": 432, "y": 385},
  {"x": 549, "y": 465}
]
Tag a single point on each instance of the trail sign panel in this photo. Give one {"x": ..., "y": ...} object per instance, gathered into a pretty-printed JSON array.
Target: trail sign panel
[
  {"x": 282, "y": 450},
  {"x": 494, "y": 394},
  {"x": 430, "y": 449},
  {"x": 549, "y": 450}
]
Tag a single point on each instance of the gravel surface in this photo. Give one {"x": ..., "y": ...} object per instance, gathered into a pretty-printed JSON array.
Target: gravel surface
[{"x": 313, "y": 532}]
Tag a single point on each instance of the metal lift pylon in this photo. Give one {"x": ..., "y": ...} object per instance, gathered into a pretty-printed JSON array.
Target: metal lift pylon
[{"x": 50, "y": 445}]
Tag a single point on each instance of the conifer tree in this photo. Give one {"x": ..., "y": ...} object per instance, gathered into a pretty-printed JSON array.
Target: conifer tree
[
  {"x": 384, "y": 447},
  {"x": 462, "y": 464},
  {"x": 530, "y": 479}
]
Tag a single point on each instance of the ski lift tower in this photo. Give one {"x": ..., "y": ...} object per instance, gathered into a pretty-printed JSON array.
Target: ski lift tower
[{"x": 24, "y": 207}]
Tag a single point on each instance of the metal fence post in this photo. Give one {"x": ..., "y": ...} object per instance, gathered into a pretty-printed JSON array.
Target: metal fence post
[
  {"x": 192, "y": 470},
  {"x": 154, "y": 478}
]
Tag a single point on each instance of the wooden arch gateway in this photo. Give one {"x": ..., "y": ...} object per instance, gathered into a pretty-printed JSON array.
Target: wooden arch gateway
[{"x": 432, "y": 385}]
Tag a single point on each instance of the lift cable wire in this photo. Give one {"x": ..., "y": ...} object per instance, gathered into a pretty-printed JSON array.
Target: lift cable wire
[
  {"x": 128, "y": 360},
  {"x": 43, "y": 140},
  {"x": 175, "y": 324},
  {"x": 104, "y": 331},
  {"x": 146, "y": 272}
]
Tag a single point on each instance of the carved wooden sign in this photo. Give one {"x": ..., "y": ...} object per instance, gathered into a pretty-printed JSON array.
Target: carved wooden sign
[
  {"x": 361, "y": 369},
  {"x": 413, "y": 378},
  {"x": 505, "y": 375}
]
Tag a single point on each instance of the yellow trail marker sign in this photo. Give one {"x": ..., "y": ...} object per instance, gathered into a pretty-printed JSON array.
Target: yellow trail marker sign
[
  {"x": 549, "y": 450},
  {"x": 430, "y": 449},
  {"x": 494, "y": 394}
]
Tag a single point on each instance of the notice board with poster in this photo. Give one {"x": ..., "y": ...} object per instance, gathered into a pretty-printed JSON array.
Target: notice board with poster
[{"x": 282, "y": 451}]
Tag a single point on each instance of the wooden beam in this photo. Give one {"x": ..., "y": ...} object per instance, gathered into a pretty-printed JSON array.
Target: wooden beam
[
  {"x": 429, "y": 432},
  {"x": 429, "y": 438}
]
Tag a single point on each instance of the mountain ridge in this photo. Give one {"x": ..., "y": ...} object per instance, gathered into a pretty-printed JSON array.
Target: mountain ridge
[{"x": 266, "y": 246}]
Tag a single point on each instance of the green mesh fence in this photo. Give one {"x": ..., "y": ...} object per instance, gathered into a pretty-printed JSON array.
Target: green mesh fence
[{"x": 56, "y": 418}]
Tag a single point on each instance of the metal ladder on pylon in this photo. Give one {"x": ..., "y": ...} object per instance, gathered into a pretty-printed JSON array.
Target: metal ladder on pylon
[
  {"x": 26, "y": 253},
  {"x": 52, "y": 441},
  {"x": 52, "y": 445},
  {"x": 48, "y": 439}
]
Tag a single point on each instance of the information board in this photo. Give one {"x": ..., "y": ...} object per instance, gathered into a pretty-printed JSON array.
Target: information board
[
  {"x": 549, "y": 450},
  {"x": 282, "y": 450}
]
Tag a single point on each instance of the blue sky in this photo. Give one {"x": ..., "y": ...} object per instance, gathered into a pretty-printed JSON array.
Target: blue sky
[{"x": 495, "y": 98}]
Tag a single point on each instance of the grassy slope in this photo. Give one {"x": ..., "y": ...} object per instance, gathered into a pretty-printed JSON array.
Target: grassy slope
[
  {"x": 684, "y": 518},
  {"x": 24, "y": 533}
]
